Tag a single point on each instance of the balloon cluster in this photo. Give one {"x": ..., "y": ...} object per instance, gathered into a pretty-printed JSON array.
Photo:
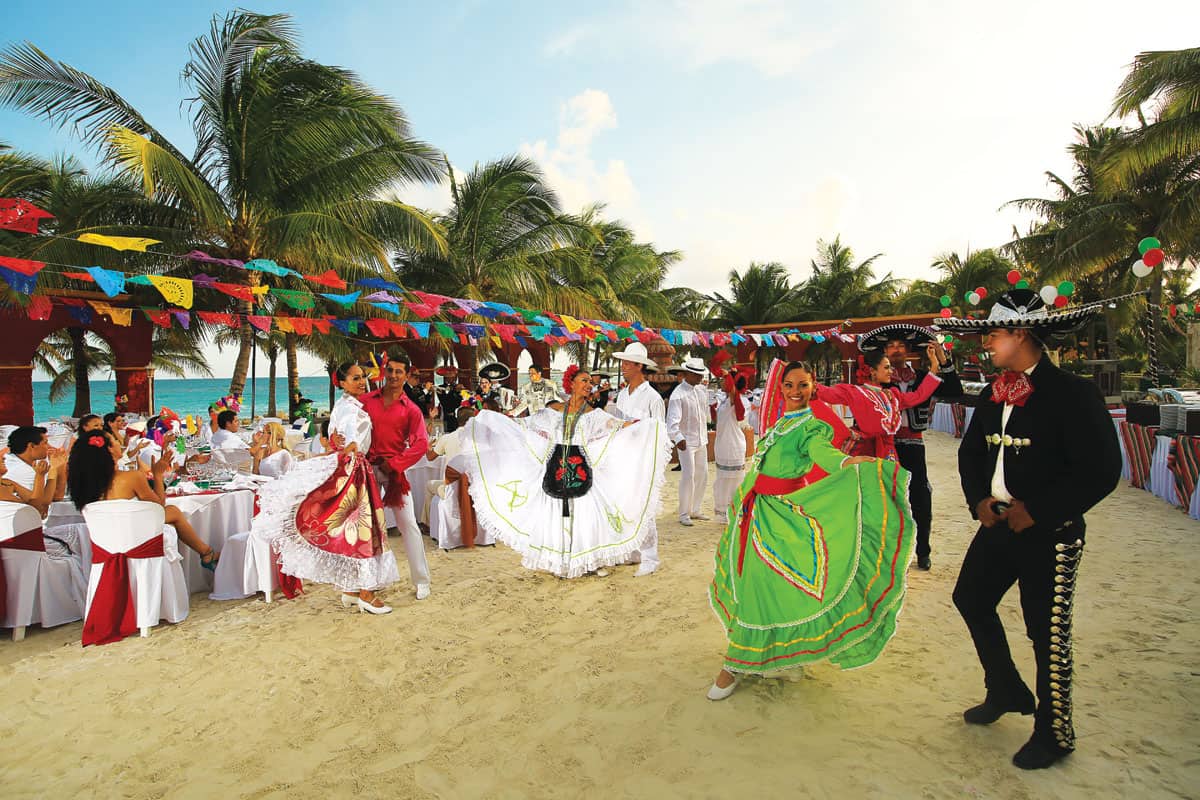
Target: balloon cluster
[
  {"x": 1016, "y": 281},
  {"x": 946, "y": 340},
  {"x": 1057, "y": 296},
  {"x": 1152, "y": 255}
]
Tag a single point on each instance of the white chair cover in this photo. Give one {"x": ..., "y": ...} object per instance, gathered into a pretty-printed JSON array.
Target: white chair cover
[
  {"x": 445, "y": 517},
  {"x": 39, "y": 589},
  {"x": 239, "y": 459},
  {"x": 247, "y": 566},
  {"x": 158, "y": 587},
  {"x": 62, "y": 512}
]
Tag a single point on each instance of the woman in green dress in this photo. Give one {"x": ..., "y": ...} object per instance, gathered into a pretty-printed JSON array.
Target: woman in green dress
[{"x": 809, "y": 570}]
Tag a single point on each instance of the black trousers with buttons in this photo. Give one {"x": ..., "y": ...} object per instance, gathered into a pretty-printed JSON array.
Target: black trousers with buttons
[
  {"x": 1044, "y": 565},
  {"x": 920, "y": 493}
]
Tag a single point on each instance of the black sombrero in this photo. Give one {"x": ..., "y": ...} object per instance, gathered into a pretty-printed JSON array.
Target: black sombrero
[
  {"x": 1022, "y": 308},
  {"x": 495, "y": 372},
  {"x": 913, "y": 336}
]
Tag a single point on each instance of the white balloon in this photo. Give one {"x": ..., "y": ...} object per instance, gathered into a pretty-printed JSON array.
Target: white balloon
[
  {"x": 1140, "y": 269},
  {"x": 1048, "y": 294},
  {"x": 974, "y": 298}
]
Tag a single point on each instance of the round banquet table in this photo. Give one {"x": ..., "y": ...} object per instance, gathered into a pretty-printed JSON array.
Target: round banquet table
[{"x": 216, "y": 516}]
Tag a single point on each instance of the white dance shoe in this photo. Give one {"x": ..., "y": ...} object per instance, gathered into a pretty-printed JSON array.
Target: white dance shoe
[
  {"x": 423, "y": 590},
  {"x": 602, "y": 573},
  {"x": 644, "y": 570},
  {"x": 702, "y": 517},
  {"x": 358, "y": 604},
  {"x": 717, "y": 693},
  {"x": 686, "y": 522}
]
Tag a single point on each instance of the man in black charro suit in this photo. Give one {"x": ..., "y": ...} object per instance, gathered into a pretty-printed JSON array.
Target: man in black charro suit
[{"x": 1039, "y": 452}]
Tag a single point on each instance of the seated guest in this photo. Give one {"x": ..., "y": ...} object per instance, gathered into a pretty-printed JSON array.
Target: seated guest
[
  {"x": 27, "y": 445},
  {"x": 93, "y": 475},
  {"x": 90, "y": 422},
  {"x": 114, "y": 423},
  {"x": 13, "y": 492},
  {"x": 226, "y": 437},
  {"x": 272, "y": 457}
]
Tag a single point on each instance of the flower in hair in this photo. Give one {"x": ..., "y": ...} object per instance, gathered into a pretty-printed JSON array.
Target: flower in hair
[
  {"x": 569, "y": 377},
  {"x": 96, "y": 440}
]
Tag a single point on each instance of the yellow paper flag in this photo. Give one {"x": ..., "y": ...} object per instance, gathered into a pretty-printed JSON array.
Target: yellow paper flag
[
  {"x": 118, "y": 242},
  {"x": 572, "y": 324},
  {"x": 119, "y": 316},
  {"x": 285, "y": 324},
  {"x": 177, "y": 291}
]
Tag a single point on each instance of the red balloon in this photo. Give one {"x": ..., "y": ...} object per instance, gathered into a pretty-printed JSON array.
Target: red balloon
[
  {"x": 1152, "y": 257},
  {"x": 1061, "y": 301},
  {"x": 946, "y": 312},
  {"x": 982, "y": 292},
  {"x": 949, "y": 345},
  {"x": 1013, "y": 276}
]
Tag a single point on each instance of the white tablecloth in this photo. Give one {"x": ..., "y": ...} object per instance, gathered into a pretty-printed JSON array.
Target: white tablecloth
[
  {"x": 1162, "y": 480},
  {"x": 215, "y": 517},
  {"x": 943, "y": 418},
  {"x": 1194, "y": 507}
]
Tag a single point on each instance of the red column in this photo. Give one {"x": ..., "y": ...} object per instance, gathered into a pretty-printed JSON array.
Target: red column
[
  {"x": 16, "y": 394},
  {"x": 134, "y": 384}
]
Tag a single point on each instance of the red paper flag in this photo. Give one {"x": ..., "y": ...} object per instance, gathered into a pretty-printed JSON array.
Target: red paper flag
[
  {"x": 22, "y": 265},
  {"x": 321, "y": 324},
  {"x": 40, "y": 307},
  {"x": 379, "y": 327},
  {"x": 260, "y": 322},
  {"x": 327, "y": 278},
  {"x": 79, "y": 276},
  {"x": 235, "y": 290},
  {"x": 21, "y": 215},
  {"x": 160, "y": 318}
]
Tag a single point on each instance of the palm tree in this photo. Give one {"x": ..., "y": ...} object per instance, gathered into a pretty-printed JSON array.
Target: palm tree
[
  {"x": 838, "y": 288},
  {"x": 1173, "y": 79},
  {"x": 957, "y": 277},
  {"x": 292, "y": 157},
  {"x": 760, "y": 295},
  {"x": 507, "y": 240}
]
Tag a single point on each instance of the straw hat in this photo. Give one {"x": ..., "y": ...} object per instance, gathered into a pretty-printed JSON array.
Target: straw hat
[
  {"x": 694, "y": 365},
  {"x": 636, "y": 352}
]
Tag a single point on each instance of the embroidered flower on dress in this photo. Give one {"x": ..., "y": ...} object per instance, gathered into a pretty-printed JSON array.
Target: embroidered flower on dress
[{"x": 353, "y": 517}]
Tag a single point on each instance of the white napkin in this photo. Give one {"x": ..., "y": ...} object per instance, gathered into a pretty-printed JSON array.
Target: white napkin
[{"x": 185, "y": 487}]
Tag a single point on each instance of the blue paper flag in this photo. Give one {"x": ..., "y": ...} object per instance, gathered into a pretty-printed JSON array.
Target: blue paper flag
[
  {"x": 422, "y": 329},
  {"x": 20, "y": 282},
  {"x": 267, "y": 265},
  {"x": 343, "y": 299},
  {"x": 111, "y": 282},
  {"x": 391, "y": 308},
  {"x": 379, "y": 283}
]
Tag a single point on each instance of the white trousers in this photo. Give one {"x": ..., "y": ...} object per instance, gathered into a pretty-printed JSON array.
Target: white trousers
[
  {"x": 725, "y": 483},
  {"x": 693, "y": 479},
  {"x": 414, "y": 543}
]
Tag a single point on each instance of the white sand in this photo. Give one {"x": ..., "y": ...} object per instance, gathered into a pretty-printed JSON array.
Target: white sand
[{"x": 507, "y": 683}]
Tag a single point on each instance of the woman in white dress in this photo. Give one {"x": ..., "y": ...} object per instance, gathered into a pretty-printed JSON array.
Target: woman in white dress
[
  {"x": 325, "y": 517},
  {"x": 270, "y": 452},
  {"x": 573, "y": 491}
]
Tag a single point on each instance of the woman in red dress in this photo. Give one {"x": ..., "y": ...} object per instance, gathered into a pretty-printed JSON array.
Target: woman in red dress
[{"x": 877, "y": 409}]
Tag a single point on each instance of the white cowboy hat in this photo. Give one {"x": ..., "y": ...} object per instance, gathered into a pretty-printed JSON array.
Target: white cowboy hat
[
  {"x": 636, "y": 352},
  {"x": 695, "y": 365}
]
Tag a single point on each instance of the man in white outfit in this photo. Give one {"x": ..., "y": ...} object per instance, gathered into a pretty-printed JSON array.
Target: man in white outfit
[
  {"x": 731, "y": 440},
  {"x": 639, "y": 400},
  {"x": 687, "y": 425}
]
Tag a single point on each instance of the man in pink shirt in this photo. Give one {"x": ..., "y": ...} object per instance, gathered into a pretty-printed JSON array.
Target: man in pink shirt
[{"x": 398, "y": 440}]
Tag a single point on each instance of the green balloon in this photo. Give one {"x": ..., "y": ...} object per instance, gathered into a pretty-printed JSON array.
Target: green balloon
[
  {"x": 1066, "y": 288},
  {"x": 1149, "y": 243},
  {"x": 945, "y": 301},
  {"x": 1022, "y": 284}
]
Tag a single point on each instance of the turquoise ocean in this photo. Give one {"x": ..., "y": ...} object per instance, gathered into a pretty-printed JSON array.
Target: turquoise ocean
[{"x": 181, "y": 395}]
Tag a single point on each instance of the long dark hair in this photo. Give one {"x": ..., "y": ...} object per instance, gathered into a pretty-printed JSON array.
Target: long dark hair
[{"x": 90, "y": 468}]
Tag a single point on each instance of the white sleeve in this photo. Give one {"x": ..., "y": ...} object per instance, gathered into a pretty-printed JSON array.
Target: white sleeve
[{"x": 674, "y": 417}]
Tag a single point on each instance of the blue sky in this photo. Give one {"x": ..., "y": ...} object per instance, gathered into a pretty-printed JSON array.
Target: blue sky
[{"x": 733, "y": 131}]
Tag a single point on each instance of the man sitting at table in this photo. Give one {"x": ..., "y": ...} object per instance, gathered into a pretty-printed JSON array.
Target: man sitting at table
[
  {"x": 27, "y": 446},
  {"x": 226, "y": 437},
  {"x": 398, "y": 440}
]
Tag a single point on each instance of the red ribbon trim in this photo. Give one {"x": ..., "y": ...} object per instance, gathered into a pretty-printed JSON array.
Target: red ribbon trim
[{"x": 113, "y": 614}]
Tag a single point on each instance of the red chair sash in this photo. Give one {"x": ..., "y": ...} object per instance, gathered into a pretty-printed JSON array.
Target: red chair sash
[
  {"x": 763, "y": 484},
  {"x": 30, "y": 540},
  {"x": 113, "y": 614}
]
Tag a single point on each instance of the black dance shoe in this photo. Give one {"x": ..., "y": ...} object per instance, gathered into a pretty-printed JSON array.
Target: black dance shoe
[
  {"x": 1035, "y": 754},
  {"x": 990, "y": 710}
]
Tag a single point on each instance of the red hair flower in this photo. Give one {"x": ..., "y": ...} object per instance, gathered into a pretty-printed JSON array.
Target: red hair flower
[
  {"x": 96, "y": 440},
  {"x": 569, "y": 377}
]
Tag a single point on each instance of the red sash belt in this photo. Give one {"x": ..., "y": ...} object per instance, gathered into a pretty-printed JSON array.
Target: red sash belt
[
  {"x": 763, "y": 484},
  {"x": 113, "y": 614},
  {"x": 30, "y": 540}
]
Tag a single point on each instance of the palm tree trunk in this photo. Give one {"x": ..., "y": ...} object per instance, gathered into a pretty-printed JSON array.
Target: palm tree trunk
[
  {"x": 1156, "y": 293},
  {"x": 237, "y": 384},
  {"x": 293, "y": 371},
  {"x": 79, "y": 364},
  {"x": 329, "y": 368},
  {"x": 272, "y": 355}
]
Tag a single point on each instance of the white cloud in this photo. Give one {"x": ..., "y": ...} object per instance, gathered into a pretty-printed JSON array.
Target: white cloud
[{"x": 571, "y": 167}]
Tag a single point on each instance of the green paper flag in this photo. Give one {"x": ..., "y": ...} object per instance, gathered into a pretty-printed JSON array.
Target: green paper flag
[{"x": 301, "y": 301}]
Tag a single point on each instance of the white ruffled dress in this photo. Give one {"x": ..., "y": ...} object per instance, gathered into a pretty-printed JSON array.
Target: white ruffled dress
[
  {"x": 505, "y": 460},
  {"x": 279, "y": 499}
]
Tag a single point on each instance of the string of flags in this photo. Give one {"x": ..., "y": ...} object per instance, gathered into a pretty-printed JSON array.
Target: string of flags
[{"x": 387, "y": 296}]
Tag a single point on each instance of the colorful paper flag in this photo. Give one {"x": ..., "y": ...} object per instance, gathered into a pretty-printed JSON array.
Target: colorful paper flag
[{"x": 118, "y": 242}]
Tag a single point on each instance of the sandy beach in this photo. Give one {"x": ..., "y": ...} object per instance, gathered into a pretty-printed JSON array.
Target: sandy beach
[{"x": 507, "y": 683}]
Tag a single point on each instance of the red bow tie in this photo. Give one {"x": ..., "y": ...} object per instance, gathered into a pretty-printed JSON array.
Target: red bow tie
[{"x": 1013, "y": 388}]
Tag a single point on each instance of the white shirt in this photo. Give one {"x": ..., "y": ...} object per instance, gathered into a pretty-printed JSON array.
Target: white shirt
[
  {"x": 227, "y": 440},
  {"x": 350, "y": 420},
  {"x": 19, "y": 472},
  {"x": 644, "y": 402},
  {"x": 999, "y": 490},
  {"x": 687, "y": 415}
]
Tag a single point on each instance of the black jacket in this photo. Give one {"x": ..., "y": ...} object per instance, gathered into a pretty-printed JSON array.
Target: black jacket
[
  {"x": 916, "y": 419},
  {"x": 1073, "y": 460}
]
